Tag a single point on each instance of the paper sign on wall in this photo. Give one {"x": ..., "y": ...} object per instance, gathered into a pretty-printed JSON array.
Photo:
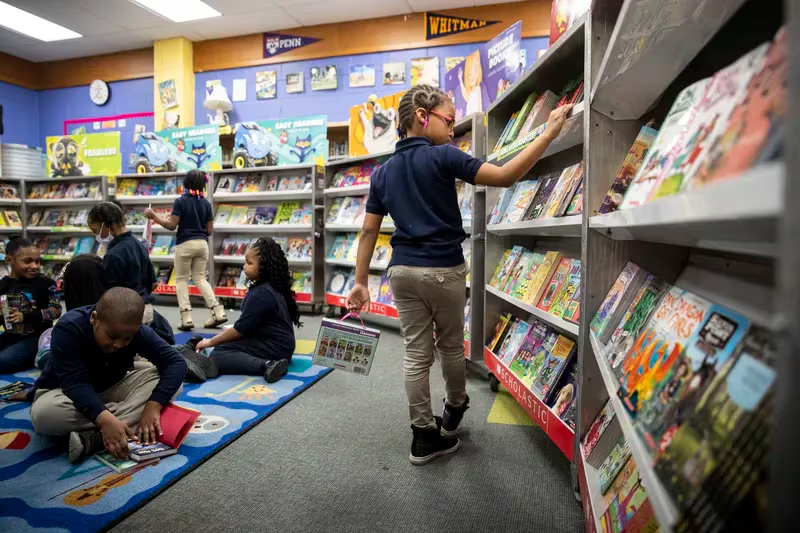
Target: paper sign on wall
[
  {"x": 178, "y": 150},
  {"x": 373, "y": 125}
]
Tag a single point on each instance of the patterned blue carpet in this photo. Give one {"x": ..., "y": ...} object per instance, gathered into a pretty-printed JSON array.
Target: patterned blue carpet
[{"x": 41, "y": 491}]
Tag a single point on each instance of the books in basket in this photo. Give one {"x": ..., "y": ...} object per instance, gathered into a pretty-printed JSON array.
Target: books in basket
[
  {"x": 346, "y": 346},
  {"x": 176, "y": 421}
]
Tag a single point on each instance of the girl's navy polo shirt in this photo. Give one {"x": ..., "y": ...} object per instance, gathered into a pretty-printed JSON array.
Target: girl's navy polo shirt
[{"x": 416, "y": 186}]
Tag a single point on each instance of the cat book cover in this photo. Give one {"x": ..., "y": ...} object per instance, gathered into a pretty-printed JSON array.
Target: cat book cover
[
  {"x": 568, "y": 289},
  {"x": 707, "y": 350},
  {"x": 678, "y": 119},
  {"x": 659, "y": 347},
  {"x": 518, "y": 206},
  {"x": 500, "y": 330},
  {"x": 265, "y": 215},
  {"x": 541, "y": 276},
  {"x": 513, "y": 341},
  {"x": 554, "y": 286},
  {"x": 726, "y": 91},
  {"x": 526, "y": 266},
  {"x": 552, "y": 367},
  {"x": 607, "y": 316},
  {"x": 630, "y": 165},
  {"x": 537, "y": 333},
  {"x": 505, "y": 274},
  {"x": 724, "y": 410}
]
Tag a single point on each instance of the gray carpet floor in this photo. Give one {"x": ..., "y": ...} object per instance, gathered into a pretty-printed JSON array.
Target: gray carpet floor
[{"x": 335, "y": 459}]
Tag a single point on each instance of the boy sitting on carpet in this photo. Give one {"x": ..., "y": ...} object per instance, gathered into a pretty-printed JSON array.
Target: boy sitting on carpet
[{"x": 86, "y": 391}]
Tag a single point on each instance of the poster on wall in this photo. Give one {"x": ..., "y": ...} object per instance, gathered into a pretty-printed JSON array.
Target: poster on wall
[
  {"x": 92, "y": 154},
  {"x": 450, "y": 62},
  {"x": 177, "y": 150},
  {"x": 291, "y": 141},
  {"x": 324, "y": 78},
  {"x": 373, "y": 125},
  {"x": 266, "y": 84},
  {"x": 362, "y": 76},
  {"x": 485, "y": 74},
  {"x": 394, "y": 73},
  {"x": 294, "y": 82},
  {"x": 425, "y": 70},
  {"x": 168, "y": 93}
]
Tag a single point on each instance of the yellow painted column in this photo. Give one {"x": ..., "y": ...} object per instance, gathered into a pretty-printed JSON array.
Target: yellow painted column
[{"x": 173, "y": 75}]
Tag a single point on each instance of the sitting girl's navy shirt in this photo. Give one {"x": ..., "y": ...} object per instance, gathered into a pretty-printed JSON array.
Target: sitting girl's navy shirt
[
  {"x": 265, "y": 325},
  {"x": 194, "y": 214},
  {"x": 417, "y": 187}
]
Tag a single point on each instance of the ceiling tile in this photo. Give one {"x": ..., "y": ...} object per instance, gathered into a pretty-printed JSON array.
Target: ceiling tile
[
  {"x": 345, "y": 10},
  {"x": 431, "y": 5},
  {"x": 230, "y": 26},
  {"x": 125, "y": 13}
]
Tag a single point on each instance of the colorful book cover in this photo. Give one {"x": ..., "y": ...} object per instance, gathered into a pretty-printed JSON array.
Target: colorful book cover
[
  {"x": 597, "y": 429},
  {"x": 628, "y": 510},
  {"x": 568, "y": 289},
  {"x": 518, "y": 206},
  {"x": 383, "y": 249},
  {"x": 500, "y": 329},
  {"x": 724, "y": 410},
  {"x": 537, "y": 333},
  {"x": 513, "y": 341},
  {"x": 565, "y": 393},
  {"x": 518, "y": 271},
  {"x": 526, "y": 266},
  {"x": 607, "y": 316},
  {"x": 285, "y": 211},
  {"x": 13, "y": 219},
  {"x": 726, "y": 91},
  {"x": 555, "y": 284},
  {"x": 161, "y": 246},
  {"x": 659, "y": 346},
  {"x": 224, "y": 213},
  {"x": 333, "y": 212},
  {"x": 337, "y": 250},
  {"x": 385, "y": 292},
  {"x": 628, "y": 169},
  {"x": 572, "y": 313},
  {"x": 508, "y": 268},
  {"x": 552, "y": 367},
  {"x": 339, "y": 280},
  {"x": 557, "y": 197},
  {"x": 265, "y": 215},
  {"x": 572, "y": 187},
  {"x": 500, "y": 204},
  {"x": 352, "y": 252},
  {"x": 613, "y": 464},
  {"x": 546, "y": 185},
  {"x": 678, "y": 119},
  {"x": 543, "y": 273},
  {"x": 753, "y": 123},
  {"x": 575, "y": 206},
  {"x": 499, "y": 269},
  {"x": 545, "y": 103},
  {"x": 238, "y": 215},
  {"x": 537, "y": 362},
  {"x": 527, "y": 107},
  {"x": 707, "y": 350}
]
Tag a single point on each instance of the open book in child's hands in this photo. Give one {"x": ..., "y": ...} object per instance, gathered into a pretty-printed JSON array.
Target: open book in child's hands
[{"x": 176, "y": 421}]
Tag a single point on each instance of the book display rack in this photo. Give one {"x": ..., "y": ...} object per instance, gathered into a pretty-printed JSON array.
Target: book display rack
[{"x": 663, "y": 287}]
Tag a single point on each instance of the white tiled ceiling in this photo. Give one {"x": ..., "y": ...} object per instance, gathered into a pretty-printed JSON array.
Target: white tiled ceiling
[{"x": 115, "y": 25}]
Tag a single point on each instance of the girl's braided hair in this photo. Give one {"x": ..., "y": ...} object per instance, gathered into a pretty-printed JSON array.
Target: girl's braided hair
[
  {"x": 273, "y": 268},
  {"x": 423, "y": 96},
  {"x": 195, "y": 182}
]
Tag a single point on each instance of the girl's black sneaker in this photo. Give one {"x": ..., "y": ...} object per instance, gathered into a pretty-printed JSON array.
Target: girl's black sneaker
[
  {"x": 451, "y": 416},
  {"x": 429, "y": 444},
  {"x": 275, "y": 370}
]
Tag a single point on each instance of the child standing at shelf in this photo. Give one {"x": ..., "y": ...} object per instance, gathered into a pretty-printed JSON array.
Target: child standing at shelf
[
  {"x": 31, "y": 304},
  {"x": 192, "y": 216},
  {"x": 427, "y": 274},
  {"x": 126, "y": 262},
  {"x": 261, "y": 342}
]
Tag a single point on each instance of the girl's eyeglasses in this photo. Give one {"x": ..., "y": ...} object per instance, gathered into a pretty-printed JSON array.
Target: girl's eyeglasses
[{"x": 450, "y": 122}]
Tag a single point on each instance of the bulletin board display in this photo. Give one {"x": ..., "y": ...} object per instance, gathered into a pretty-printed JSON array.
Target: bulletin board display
[{"x": 127, "y": 124}]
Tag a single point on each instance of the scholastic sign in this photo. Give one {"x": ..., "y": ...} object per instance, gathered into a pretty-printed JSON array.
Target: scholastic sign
[
  {"x": 279, "y": 43},
  {"x": 437, "y": 25}
]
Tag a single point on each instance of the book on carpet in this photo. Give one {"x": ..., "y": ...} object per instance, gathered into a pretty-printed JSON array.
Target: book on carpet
[
  {"x": 11, "y": 389},
  {"x": 120, "y": 465},
  {"x": 176, "y": 422}
]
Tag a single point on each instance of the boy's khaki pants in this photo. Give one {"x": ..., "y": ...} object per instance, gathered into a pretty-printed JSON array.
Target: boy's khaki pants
[{"x": 431, "y": 300}]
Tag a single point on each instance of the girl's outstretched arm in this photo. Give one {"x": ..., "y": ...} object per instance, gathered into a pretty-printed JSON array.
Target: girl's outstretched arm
[{"x": 229, "y": 335}]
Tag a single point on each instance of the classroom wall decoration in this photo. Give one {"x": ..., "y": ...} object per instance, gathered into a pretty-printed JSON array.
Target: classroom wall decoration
[
  {"x": 293, "y": 141},
  {"x": 266, "y": 84},
  {"x": 324, "y": 78},
  {"x": 425, "y": 70},
  {"x": 362, "y": 75},
  {"x": 373, "y": 125},
  {"x": 93, "y": 154},
  {"x": 450, "y": 62},
  {"x": 178, "y": 150},
  {"x": 294, "y": 82},
  {"x": 485, "y": 74},
  {"x": 437, "y": 25},
  {"x": 168, "y": 93},
  {"x": 279, "y": 43},
  {"x": 210, "y": 84},
  {"x": 394, "y": 73}
]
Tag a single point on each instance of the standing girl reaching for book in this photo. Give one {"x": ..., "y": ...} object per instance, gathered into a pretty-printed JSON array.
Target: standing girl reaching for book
[
  {"x": 31, "y": 304},
  {"x": 416, "y": 186},
  {"x": 261, "y": 342},
  {"x": 192, "y": 216}
]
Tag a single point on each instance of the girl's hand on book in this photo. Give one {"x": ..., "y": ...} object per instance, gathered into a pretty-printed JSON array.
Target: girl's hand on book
[
  {"x": 358, "y": 298},
  {"x": 15, "y": 316},
  {"x": 150, "y": 424},
  {"x": 556, "y": 121}
]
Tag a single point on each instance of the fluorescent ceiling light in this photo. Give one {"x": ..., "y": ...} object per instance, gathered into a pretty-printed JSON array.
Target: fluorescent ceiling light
[
  {"x": 28, "y": 24},
  {"x": 180, "y": 10}
]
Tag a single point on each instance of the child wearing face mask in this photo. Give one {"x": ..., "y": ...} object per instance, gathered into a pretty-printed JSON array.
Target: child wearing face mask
[{"x": 127, "y": 262}]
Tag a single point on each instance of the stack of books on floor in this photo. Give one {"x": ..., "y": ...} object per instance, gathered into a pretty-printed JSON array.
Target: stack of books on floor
[
  {"x": 149, "y": 187},
  {"x": 551, "y": 195},
  {"x": 296, "y": 248},
  {"x": 355, "y": 175},
  {"x": 262, "y": 183},
  {"x": 695, "y": 377},
  {"x": 57, "y": 218},
  {"x": 8, "y": 191},
  {"x": 10, "y": 219},
  {"x": 285, "y": 213},
  {"x": 716, "y": 129},
  {"x": 79, "y": 190},
  {"x": 345, "y": 248},
  {"x": 135, "y": 215},
  {"x": 544, "y": 279},
  {"x": 379, "y": 289},
  {"x": 531, "y": 120},
  {"x": 66, "y": 246},
  {"x": 163, "y": 245},
  {"x": 543, "y": 360}
]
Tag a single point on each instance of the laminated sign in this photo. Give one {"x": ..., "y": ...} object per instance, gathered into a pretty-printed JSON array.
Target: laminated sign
[{"x": 348, "y": 347}]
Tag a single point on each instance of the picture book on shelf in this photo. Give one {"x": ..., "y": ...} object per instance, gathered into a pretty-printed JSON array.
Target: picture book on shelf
[
  {"x": 513, "y": 341},
  {"x": 285, "y": 211},
  {"x": 563, "y": 191},
  {"x": 627, "y": 507},
  {"x": 616, "y": 301},
  {"x": 265, "y": 215},
  {"x": 565, "y": 393},
  {"x": 385, "y": 292},
  {"x": 526, "y": 267},
  {"x": 541, "y": 276},
  {"x": 552, "y": 367},
  {"x": 520, "y": 201},
  {"x": 522, "y": 361},
  {"x": 539, "y": 203},
  {"x": 630, "y": 165},
  {"x": 517, "y": 270},
  {"x": 500, "y": 329},
  {"x": 554, "y": 285},
  {"x": 224, "y": 213},
  {"x": 536, "y": 364},
  {"x": 339, "y": 280},
  {"x": 340, "y": 246},
  {"x": 500, "y": 204},
  {"x": 597, "y": 431},
  {"x": 333, "y": 212},
  {"x": 568, "y": 290},
  {"x": 613, "y": 464},
  {"x": 505, "y": 268}
]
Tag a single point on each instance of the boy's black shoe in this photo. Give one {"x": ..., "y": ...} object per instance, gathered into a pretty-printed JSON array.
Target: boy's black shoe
[
  {"x": 275, "y": 370},
  {"x": 194, "y": 341},
  {"x": 199, "y": 368},
  {"x": 428, "y": 444},
  {"x": 84, "y": 444},
  {"x": 451, "y": 416}
]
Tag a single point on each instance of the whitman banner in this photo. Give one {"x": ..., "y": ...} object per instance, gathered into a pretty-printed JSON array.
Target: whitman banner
[
  {"x": 373, "y": 125},
  {"x": 177, "y": 150},
  {"x": 291, "y": 141},
  {"x": 437, "y": 25},
  {"x": 485, "y": 74},
  {"x": 92, "y": 154}
]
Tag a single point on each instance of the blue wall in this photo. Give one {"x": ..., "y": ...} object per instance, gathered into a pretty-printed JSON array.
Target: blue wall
[
  {"x": 336, "y": 104},
  {"x": 20, "y": 115}
]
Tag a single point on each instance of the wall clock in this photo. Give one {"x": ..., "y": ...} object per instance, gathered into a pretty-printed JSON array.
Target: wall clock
[{"x": 99, "y": 92}]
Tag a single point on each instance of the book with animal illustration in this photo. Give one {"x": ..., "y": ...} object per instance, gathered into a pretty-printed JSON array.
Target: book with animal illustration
[
  {"x": 176, "y": 421},
  {"x": 630, "y": 165},
  {"x": 224, "y": 213},
  {"x": 554, "y": 285},
  {"x": 552, "y": 367}
]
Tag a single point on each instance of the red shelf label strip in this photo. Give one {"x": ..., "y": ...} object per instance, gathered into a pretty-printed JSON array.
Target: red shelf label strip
[{"x": 374, "y": 308}]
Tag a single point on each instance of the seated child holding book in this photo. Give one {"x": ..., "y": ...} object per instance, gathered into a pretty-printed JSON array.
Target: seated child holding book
[
  {"x": 31, "y": 304},
  {"x": 86, "y": 391},
  {"x": 261, "y": 342}
]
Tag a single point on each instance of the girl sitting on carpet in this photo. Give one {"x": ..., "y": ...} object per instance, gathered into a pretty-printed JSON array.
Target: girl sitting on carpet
[{"x": 262, "y": 341}]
